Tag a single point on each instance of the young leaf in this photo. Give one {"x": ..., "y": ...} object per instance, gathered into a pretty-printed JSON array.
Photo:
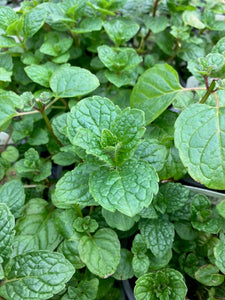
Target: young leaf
[
  {"x": 73, "y": 81},
  {"x": 164, "y": 284},
  {"x": 121, "y": 30},
  {"x": 36, "y": 229},
  {"x": 128, "y": 189},
  {"x": 93, "y": 113},
  {"x": 36, "y": 275},
  {"x": 158, "y": 235},
  {"x": 200, "y": 139},
  {"x": 12, "y": 194},
  {"x": 7, "y": 224},
  {"x": 100, "y": 252},
  {"x": 56, "y": 43},
  {"x": 73, "y": 187},
  {"x": 155, "y": 90}
]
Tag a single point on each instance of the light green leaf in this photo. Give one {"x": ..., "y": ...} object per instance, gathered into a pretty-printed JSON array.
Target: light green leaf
[
  {"x": 59, "y": 128},
  {"x": 128, "y": 127},
  {"x": 221, "y": 208},
  {"x": 128, "y": 189},
  {"x": 118, "y": 220},
  {"x": 7, "y": 16},
  {"x": 89, "y": 24},
  {"x": 73, "y": 187},
  {"x": 192, "y": 19},
  {"x": 5, "y": 75},
  {"x": 73, "y": 81},
  {"x": 33, "y": 21},
  {"x": 39, "y": 74},
  {"x": 85, "y": 224},
  {"x": 155, "y": 90},
  {"x": 36, "y": 229},
  {"x": 12, "y": 194},
  {"x": 7, "y": 42},
  {"x": 50, "y": 271},
  {"x": 152, "y": 151},
  {"x": 94, "y": 113},
  {"x": 7, "y": 112},
  {"x": 120, "y": 30},
  {"x": 86, "y": 290},
  {"x": 124, "y": 270},
  {"x": 156, "y": 24},
  {"x": 200, "y": 139},
  {"x": 158, "y": 235},
  {"x": 209, "y": 275},
  {"x": 7, "y": 224},
  {"x": 219, "y": 253},
  {"x": 101, "y": 252},
  {"x": 11, "y": 154},
  {"x": 164, "y": 284},
  {"x": 175, "y": 195},
  {"x": 56, "y": 43},
  {"x": 39, "y": 136},
  {"x": 140, "y": 264}
]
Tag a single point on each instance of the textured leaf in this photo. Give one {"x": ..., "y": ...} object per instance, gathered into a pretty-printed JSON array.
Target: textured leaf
[
  {"x": 191, "y": 18},
  {"x": 101, "y": 252},
  {"x": 39, "y": 74},
  {"x": 94, "y": 113},
  {"x": 153, "y": 152},
  {"x": 86, "y": 290},
  {"x": 85, "y": 224},
  {"x": 121, "y": 30},
  {"x": 7, "y": 42},
  {"x": 7, "y": 224},
  {"x": 33, "y": 21},
  {"x": 73, "y": 187},
  {"x": 140, "y": 264},
  {"x": 73, "y": 81},
  {"x": 12, "y": 194},
  {"x": 118, "y": 220},
  {"x": 124, "y": 270},
  {"x": 11, "y": 154},
  {"x": 128, "y": 189},
  {"x": 156, "y": 24},
  {"x": 158, "y": 234},
  {"x": 209, "y": 275},
  {"x": 89, "y": 25},
  {"x": 200, "y": 139},
  {"x": 36, "y": 229},
  {"x": 56, "y": 43},
  {"x": 155, "y": 90},
  {"x": 164, "y": 284},
  {"x": 7, "y": 112},
  {"x": 7, "y": 16},
  {"x": 36, "y": 275}
]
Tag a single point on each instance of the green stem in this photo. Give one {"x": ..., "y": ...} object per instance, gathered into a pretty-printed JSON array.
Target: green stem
[
  {"x": 47, "y": 122},
  {"x": 155, "y": 8},
  {"x": 8, "y": 138},
  {"x": 208, "y": 92}
]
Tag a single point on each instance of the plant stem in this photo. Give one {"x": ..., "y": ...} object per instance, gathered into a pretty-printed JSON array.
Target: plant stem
[
  {"x": 7, "y": 140},
  {"x": 155, "y": 8},
  {"x": 47, "y": 122},
  {"x": 208, "y": 92}
]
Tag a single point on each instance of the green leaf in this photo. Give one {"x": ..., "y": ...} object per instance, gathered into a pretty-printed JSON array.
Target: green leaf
[
  {"x": 50, "y": 271},
  {"x": 155, "y": 90},
  {"x": 65, "y": 158},
  {"x": 11, "y": 154},
  {"x": 7, "y": 16},
  {"x": 89, "y": 24},
  {"x": 128, "y": 189},
  {"x": 56, "y": 43},
  {"x": 69, "y": 248},
  {"x": 175, "y": 195},
  {"x": 86, "y": 290},
  {"x": 219, "y": 253},
  {"x": 64, "y": 222},
  {"x": 7, "y": 112},
  {"x": 122, "y": 78},
  {"x": 12, "y": 194},
  {"x": 156, "y": 24},
  {"x": 208, "y": 275},
  {"x": 73, "y": 187},
  {"x": 36, "y": 229},
  {"x": 156, "y": 263},
  {"x": 163, "y": 284},
  {"x": 94, "y": 113},
  {"x": 192, "y": 19},
  {"x": 120, "y": 30},
  {"x": 39, "y": 74},
  {"x": 85, "y": 224},
  {"x": 73, "y": 81},
  {"x": 199, "y": 137},
  {"x": 118, "y": 220},
  {"x": 158, "y": 235},
  {"x": 39, "y": 136},
  {"x": 5, "y": 75},
  {"x": 124, "y": 270},
  {"x": 152, "y": 151},
  {"x": 140, "y": 264},
  {"x": 7, "y": 42},
  {"x": 128, "y": 127},
  {"x": 33, "y": 21},
  {"x": 101, "y": 252},
  {"x": 221, "y": 208},
  {"x": 118, "y": 59},
  {"x": 7, "y": 224}
]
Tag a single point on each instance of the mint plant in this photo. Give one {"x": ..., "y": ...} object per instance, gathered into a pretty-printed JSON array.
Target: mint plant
[{"x": 111, "y": 116}]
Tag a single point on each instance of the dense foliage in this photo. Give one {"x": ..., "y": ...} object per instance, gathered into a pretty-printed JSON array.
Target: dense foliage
[{"x": 107, "y": 107}]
